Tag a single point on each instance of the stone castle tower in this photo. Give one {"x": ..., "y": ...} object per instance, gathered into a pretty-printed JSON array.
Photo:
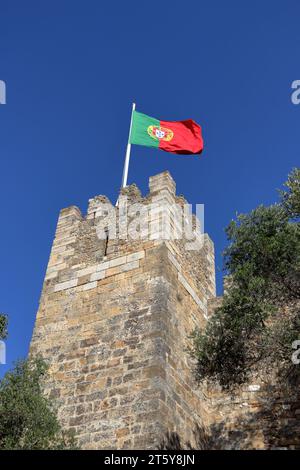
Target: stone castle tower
[{"x": 114, "y": 321}]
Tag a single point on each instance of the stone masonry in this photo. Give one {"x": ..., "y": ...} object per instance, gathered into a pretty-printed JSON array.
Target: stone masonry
[{"x": 113, "y": 323}]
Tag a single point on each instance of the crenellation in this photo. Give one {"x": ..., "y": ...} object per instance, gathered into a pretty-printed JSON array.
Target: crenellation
[
  {"x": 68, "y": 214},
  {"x": 132, "y": 193},
  {"x": 95, "y": 206},
  {"x": 161, "y": 183}
]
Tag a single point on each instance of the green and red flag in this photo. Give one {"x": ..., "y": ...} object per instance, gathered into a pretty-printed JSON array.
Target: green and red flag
[{"x": 181, "y": 137}]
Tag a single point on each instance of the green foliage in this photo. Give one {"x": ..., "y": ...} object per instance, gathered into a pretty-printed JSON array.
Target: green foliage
[
  {"x": 27, "y": 418},
  {"x": 3, "y": 326},
  {"x": 291, "y": 196},
  {"x": 259, "y": 317}
]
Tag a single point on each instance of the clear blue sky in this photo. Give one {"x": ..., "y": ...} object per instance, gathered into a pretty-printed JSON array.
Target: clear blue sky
[{"x": 72, "y": 69}]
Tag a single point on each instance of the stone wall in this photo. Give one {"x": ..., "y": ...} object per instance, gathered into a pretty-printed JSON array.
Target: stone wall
[{"x": 114, "y": 321}]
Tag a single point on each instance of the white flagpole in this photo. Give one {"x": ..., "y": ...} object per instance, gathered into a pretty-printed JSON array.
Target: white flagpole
[{"x": 127, "y": 157}]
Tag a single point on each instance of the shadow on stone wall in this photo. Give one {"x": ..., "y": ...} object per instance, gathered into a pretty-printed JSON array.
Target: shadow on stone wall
[
  {"x": 172, "y": 440},
  {"x": 273, "y": 423}
]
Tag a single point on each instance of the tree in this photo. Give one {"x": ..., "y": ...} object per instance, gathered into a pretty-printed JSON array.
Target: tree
[
  {"x": 291, "y": 196},
  {"x": 260, "y": 314},
  {"x": 27, "y": 418}
]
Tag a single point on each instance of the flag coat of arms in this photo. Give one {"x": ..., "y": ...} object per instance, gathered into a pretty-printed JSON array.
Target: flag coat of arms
[{"x": 180, "y": 137}]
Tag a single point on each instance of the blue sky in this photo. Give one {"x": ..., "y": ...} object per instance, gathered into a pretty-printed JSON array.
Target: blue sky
[{"x": 72, "y": 70}]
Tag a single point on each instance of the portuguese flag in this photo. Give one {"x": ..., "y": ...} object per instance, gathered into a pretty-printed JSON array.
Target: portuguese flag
[{"x": 181, "y": 137}]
